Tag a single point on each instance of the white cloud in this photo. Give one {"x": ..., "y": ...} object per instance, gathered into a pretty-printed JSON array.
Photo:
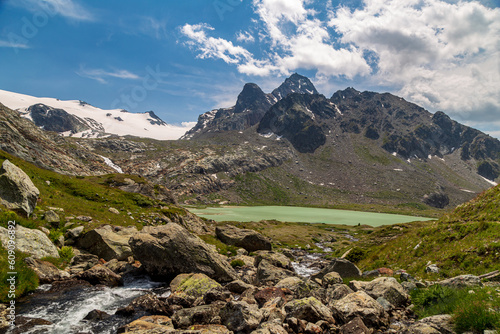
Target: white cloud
[
  {"x": 100, "y": 75},
  {"x": 7, "y": 44},
  {"x": 245, "y": 36},
  {"x": 69, "y": 9}
]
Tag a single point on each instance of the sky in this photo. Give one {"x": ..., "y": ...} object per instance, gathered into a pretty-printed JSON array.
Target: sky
[{"x": 183, "y": 58}]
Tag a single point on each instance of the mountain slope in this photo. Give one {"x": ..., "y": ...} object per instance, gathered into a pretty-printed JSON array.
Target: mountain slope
[{"x": 80, "y": 119}]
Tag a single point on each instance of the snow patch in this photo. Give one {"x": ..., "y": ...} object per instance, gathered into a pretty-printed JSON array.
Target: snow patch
[
  {"x": 468, "y": 191},
  {"x": 489, "y": 181},
  {"x": 112, "y": 164},
  {"x": 398, "y": 169},
  {"x": 266, "y": 135}
]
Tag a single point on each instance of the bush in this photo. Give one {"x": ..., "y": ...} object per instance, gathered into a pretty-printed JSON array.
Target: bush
[
  {"x": 237, "y": 263},
  {"x": 66, "y": 253},
  {"x": 356, "y": 254}
]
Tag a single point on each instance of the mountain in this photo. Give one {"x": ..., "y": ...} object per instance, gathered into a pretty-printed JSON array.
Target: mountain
[
  {"x": 251, "y": 105},
  {"x": 80, "y": 119}
]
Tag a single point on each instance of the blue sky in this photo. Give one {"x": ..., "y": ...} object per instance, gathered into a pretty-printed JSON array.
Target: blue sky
[{"x": 182, "y": 58}]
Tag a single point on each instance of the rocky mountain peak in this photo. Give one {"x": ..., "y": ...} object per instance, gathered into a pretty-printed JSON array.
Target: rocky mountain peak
[
  {"x": 250, "y": 98},
  {"x": 296, "y": 83}
]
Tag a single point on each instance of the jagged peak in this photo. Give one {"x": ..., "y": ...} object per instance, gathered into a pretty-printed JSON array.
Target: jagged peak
[{"x": 296, "y": 83}]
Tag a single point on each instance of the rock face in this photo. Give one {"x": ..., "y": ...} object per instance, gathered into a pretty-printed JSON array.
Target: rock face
[
  {"x": 248, "y": 239},
  {"x": 17, "y": 192},
  {"x": 57, "y": 120},
  {"x": 33, "y": 242},
  {"x": 108, "y": 242},
  {"x": 169, "y": 250}
]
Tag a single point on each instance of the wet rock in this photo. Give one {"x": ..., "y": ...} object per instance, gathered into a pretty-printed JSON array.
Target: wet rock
[
  {"x": 33, "y": 242},
  {"x": 345, "y": 268},
  {"x": 309, "y": 309},
  {"x": 123, "y": 268},
  {"x": 25, "y": 324},
  {"x": 169, "y": 250},
  {"x": 108, "y": 242},
  {"x": 100, "y": 274},
  {"x": 360, "y": 304},
  {"x": 199, "y": 315},
  {"x": 248, "y": 239},
  {"x": 240, "y": 316},
  {"x": 97, "y": 315},
  {"x": 46, "y": 271},
  {"x": 146, "y": 304},
  {"x": 17, "y": 191}
]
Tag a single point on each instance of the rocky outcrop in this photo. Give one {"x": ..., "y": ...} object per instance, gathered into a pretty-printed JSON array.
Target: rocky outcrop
[
  {"x": 169, "y": 250},
  {"x": 57, "y": 120},
  {"x": 108, "y": 242},
  {"x": 385, "y": 287},
  {"x": 244, "y": 238},
  {"x": 33, "y": 242},
  {"x": 46, "y": 271},
  {"x": 17, "y": 191}
]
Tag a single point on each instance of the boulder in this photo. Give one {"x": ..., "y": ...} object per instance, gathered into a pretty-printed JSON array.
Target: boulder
[
  {"x": 74, "y": 232},
  {"x": 355, "y": 326},
  {"x": 97, "y": 315},
  {"x": 187, "y": 288},
  {"x": 248, "y": 239},
  {"x": 33, "y": 242},
  {"x": 270, "y": 328},
  {"x": 345, "y": 268},
  {"x": 100, "y": 274},
  {"x": 331, "y": 278},
  {"x": 168, "y": 250},
  {"x": 146, "y": 304},
  {"x": 462, "y": 281},
  {"x": 437, "y": 324},
  {"x": 336, "y": 292},
  {"x": 267, "y": 294},
  {"x": 108, "y": 242},
  {"x": 275, "y": 258},
  {"x": 46, "y": 271},
  {"x": 17, "y": 191},
  {"x": 147, "y": 323},
  {"x": 52, "y": 218},
  {"x": 82, "y": 262},
  {"x": 269, "y": 274},
  {"x": 299, "y": 287},
  {"x": 239, "y": 316},
  {"x": 387, "y": 288},
  {"x": 360, "y": 304},
  {"x": 199, "y": 315},
  {"x": 238, "y": 286},
  {"x": 309, "y": 309}
]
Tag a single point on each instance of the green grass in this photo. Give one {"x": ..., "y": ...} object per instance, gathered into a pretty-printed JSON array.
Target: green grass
[
  {"x": 26, "y": 279},
  {"x": 473, "y": 310}
]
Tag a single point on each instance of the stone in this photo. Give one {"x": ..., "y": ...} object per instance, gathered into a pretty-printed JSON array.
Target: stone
[
  {"x": 239, "y": 316},
  {"x": 238, "y": 286},
  {"x": 270, "y": 328},
  {"x": 336, "y": 292},
  {"x": 250, "y": 240},
  {"x": 199, "y": 315},
  {"x": 299, "y": 287},
  {"x": 309, "y": 309},
  {"x": 108, "y": 242},
  {"x": 276, "y": 259},
  {"x": 17, "y": 191},
  {"x": 113, "y": 210},
  {"x": 386, "y": 287},
  {"x": 147, "y": 323},
  {"x": 432, "y": 269},
  {"x": 26, "y": 324},
  {"x": 168, "y": 250},
  {"x": 52, "y": 218},
  {"x": 267, "y": 294},
  {"x": 82, "y": 262},
  {"x": 438, "y": 324},
  {"x": 190, "y": 287},
  {"x": 345, "y": 268},
  {"x": 74, "y": 233},
  {"x": 46, "y": 271},
  {"x": 331, "y": 279},
  {"x": 97, "y": 315},
  {"x": 461, "y": 281},
  {"x": 33, "y": 242},
  {"x": 146, "y": 304},
  {"x": 355, "y": 326},
  {"x": 100, "y": 274},
  {"x": 360, "y": 304},
  {"x": 269, "y": 274}
]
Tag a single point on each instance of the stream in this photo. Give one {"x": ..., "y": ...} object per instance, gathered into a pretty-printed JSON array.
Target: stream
[{"x": 66, "y": 311}]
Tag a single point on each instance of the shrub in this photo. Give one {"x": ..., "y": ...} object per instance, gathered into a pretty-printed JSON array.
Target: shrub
[
  {"x": 356, "y": 254},
  {"x": 237, "y": 263}
]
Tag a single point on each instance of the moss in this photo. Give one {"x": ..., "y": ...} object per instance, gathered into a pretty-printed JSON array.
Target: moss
[{"x": 197, "y": 285}]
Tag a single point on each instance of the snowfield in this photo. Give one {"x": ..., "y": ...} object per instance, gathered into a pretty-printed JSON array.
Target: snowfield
[{"x": 116, "y": 121}]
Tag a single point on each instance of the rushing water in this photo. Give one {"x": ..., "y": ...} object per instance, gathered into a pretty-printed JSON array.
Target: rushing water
[
  {"x": 67, "y": 311},
  {"x": 302, "y": 215}
]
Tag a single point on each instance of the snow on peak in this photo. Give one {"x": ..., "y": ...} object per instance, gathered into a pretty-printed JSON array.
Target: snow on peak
[{"x": 114, "y": 121}]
